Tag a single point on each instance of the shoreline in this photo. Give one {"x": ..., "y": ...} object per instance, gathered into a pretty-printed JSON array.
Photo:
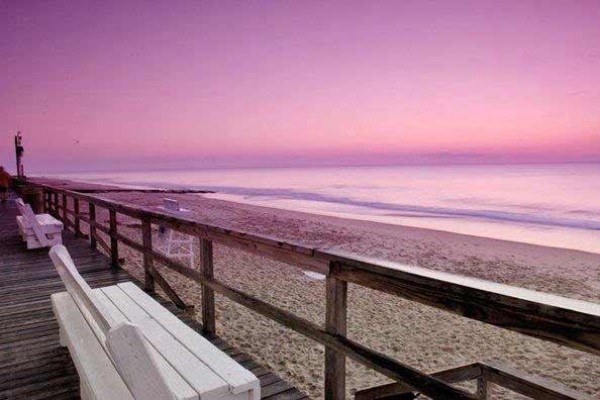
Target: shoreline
[
  {"x": 388, "y": 226},
  {"x": 418, "y": 335},
  {"x": 411, "y": 221},
  {"x": 554, "y": 236}
]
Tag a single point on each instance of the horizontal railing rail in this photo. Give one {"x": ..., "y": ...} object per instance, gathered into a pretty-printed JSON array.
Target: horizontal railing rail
[
  {"x": 569, "y": 322},
  {"x": 485, "y": 373}
]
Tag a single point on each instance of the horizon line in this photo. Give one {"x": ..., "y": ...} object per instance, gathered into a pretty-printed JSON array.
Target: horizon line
[{"x": 325, "y": 166}]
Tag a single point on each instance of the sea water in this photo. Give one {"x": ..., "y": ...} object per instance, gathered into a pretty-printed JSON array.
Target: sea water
[{"x": 554, "y": 205}]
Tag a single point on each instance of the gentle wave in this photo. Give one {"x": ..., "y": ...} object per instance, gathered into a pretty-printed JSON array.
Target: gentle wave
[
  {"x": 410, "y": 210},
  {"x": 489, "y": 214}
]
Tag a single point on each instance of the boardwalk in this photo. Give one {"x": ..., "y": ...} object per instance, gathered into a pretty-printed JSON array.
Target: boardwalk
[{"x": 32, "y": 363}]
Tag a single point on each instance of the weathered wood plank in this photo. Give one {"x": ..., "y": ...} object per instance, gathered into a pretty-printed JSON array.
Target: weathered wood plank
[
  {"x": 56, "y": 206},
  {"x": 64, "y": 207},
  {"x": 92, "y": 219},
  {"x": 451, "y": 375},
  {"x": 147, "y": 254},
  {"x": 164, "y": 285},
  {"x": 335, "y": 324},
  {"x": 76, "y": 217},
  {"x": 571, "y": 322},
  {"x": 521, "y": 382},
  {"x": 114, "y": 244},
  {"x": 208, "y": 295}
]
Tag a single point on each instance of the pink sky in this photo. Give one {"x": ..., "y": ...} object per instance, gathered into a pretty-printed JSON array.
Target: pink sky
[{"x": 100, "y": 85}]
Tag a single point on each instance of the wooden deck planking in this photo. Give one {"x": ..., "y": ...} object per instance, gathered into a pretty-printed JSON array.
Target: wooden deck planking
[{"x": 32, "y": 363}]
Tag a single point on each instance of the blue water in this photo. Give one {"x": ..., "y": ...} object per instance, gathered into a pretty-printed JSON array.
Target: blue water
[{"x": 555, "y": 205}]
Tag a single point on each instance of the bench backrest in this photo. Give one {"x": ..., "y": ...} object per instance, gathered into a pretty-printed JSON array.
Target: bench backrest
[
  {"x": 20, "y": 204},
  {"x": 80, "y": 291},
  {"x": 27, "y": 213},
  {"x": 124, "y": 343}
]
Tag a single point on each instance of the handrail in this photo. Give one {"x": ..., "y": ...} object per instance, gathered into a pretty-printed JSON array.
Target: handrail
[
  {"x": 484, "y": 372},
  {"x": 574, "y": 323}
]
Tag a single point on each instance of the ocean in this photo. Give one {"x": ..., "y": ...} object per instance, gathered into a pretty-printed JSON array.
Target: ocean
[{"x": 554, "y": 205}]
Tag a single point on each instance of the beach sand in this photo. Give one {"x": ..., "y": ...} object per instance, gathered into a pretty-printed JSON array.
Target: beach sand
[{"x": 420, "y": 336}]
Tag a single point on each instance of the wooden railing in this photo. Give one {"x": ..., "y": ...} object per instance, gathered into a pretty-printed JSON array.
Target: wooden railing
[{"x": 569, "y": 322}]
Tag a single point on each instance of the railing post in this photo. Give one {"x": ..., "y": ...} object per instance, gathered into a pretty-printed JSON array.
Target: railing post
[
  {"x": 208, "y": 295},
  {"x": 92, "y": 212},
  {"x": 55, "y": 195},
  {"x": 484, "y": 388},
  {"x": 45, "y": 198},
  {"x": 335, "y": 323},
  {"x": 114, "y": 244},
  {"x": 148, "y": 259},
  {"x": 65, "y": 215},
  {"x": 76, "y": 217}
]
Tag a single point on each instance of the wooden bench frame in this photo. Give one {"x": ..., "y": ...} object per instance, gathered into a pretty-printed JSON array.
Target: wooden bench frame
[
  {"x": 40, "y": 230},
  {"x": 125, "y": 345}
]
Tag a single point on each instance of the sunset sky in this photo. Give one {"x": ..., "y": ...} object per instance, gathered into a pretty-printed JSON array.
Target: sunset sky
[{"x": 125, "y": 85}]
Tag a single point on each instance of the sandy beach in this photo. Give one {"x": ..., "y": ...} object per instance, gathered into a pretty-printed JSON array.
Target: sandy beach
[{"x": 420, "y": 336}]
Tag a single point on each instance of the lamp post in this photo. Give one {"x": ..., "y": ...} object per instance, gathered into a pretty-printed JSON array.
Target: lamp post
[{"x": 19, "y": 153}]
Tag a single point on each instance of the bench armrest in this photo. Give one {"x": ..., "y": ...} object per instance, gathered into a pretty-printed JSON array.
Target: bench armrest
[{"x": 132, "y": 357}]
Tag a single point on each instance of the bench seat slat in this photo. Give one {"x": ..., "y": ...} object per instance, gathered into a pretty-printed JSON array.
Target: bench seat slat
[
  {"x": 126, "y": 306},
  {"x": 178, "y": 386},
  {"x": 48, "y": 223},
  {"x": 95, "y": 368},
  {"x": 238, "y": 378},
  {"x": 197, "y": 374}
]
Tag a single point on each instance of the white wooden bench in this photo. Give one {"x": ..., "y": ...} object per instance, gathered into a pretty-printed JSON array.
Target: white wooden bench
[
  {"x": 125, "y": 345},
  {"x": 41, "y": 230}
]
